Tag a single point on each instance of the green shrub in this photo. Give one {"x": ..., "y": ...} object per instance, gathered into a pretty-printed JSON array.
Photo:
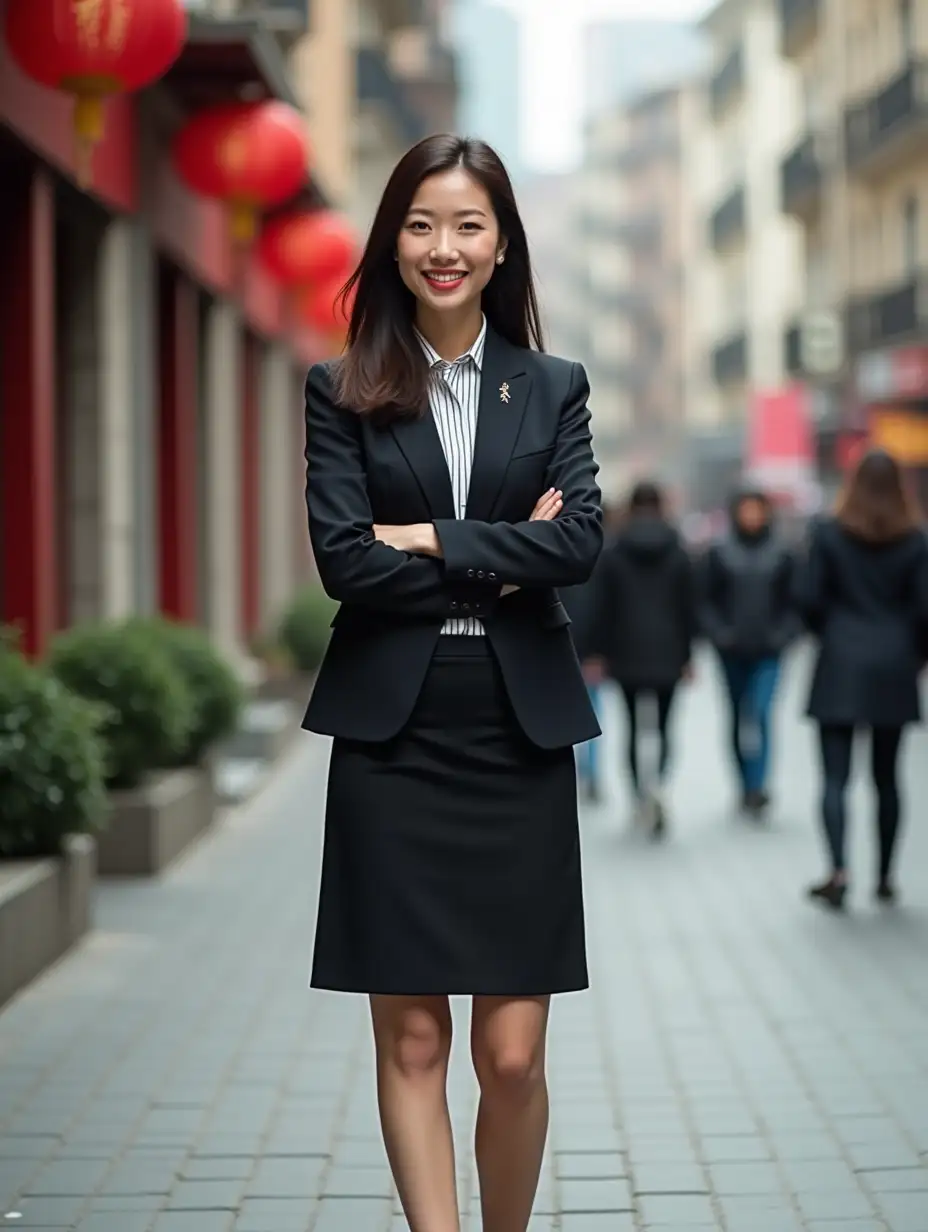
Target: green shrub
[
  {"x": 148, "y": 711},
  {"x": 51, "y": 762},
  {"x": 304, "y": 630},
  {"x": 215, "y": 691}
]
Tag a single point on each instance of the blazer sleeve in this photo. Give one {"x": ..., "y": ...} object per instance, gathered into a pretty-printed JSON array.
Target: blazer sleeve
[
  {"x": 708, "y": 581},
  {"x": 354, "y": 567},
  {"x": 562, "y": 552}
]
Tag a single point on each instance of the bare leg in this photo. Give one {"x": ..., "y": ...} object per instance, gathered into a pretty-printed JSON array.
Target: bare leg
[
  {"x": 412, "y": 1036},
  {"x": 508, "y": 1047}
]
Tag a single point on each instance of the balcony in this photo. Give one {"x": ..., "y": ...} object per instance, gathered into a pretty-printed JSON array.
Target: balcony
[
  {"x": 896, "y": 314},
  {"x": 730, "y": 360},
  {"x": 727, "y": 84},
  {"x": 729, "y": 221},
  {"x": 887, "y": 130},
  {"x": 801, "y": 178},
  {"x": 378, "y": 85},
  {"x": 289, "y": 20},
  {"x": 799, "y": 25}
]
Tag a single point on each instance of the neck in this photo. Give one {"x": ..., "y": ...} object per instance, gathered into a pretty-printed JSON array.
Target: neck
[{"x": 450, "y": 333}]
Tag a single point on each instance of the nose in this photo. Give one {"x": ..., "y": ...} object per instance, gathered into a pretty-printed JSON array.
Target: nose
[{"x": 444, "y": 250}]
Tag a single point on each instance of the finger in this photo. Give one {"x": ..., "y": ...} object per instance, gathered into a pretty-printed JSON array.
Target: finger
[
  {"x": 552, "y": 510},
  {"x": 543, "y": 500},
  {"x": 547, "y": 503}
]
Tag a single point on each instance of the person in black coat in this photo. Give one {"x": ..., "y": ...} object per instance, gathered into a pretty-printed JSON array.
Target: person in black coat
[
  {"x": 748, "y": 613},
  {"x": 863, "y": 592},
  {"x": 580, "y": 604},
  {"x": 644, "y": 627}
]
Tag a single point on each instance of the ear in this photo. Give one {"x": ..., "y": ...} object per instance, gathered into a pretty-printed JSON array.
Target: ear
[{"x": 501, "y": 252}]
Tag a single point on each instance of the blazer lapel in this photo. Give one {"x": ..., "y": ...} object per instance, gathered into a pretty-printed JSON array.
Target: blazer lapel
[
  {"x": 418, "y": 440},
  {"x": 504, "y": 389}
]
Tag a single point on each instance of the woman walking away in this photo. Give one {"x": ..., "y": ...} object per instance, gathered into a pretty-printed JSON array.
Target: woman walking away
[
  {"x": 863, "y": 592},
  {"x": 644, "y": 627},
  {"x": 451, "y": 489}
]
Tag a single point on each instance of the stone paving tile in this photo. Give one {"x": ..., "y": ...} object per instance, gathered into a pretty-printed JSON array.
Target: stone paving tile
[{"x": 742, "y": 1062}]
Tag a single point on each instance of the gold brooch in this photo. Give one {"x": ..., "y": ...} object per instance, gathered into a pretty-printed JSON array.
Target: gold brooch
[{"x": 504, "y": 392}]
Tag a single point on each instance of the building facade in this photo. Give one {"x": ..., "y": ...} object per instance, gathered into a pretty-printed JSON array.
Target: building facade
[
  {"x": 856, "y": 179},
  {"x": 151, "y": 372},
  {"x": 489, "y": 101}
]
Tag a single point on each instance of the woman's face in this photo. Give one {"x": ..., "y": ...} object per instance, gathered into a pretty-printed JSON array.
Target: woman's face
[{"x": 449, "y": 244}]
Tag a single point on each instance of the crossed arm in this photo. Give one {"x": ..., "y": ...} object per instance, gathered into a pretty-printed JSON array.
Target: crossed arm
[{"x": 429, "y": 568}]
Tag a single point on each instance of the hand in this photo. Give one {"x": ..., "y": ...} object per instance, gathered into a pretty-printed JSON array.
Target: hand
[
  {"x": 548, "y": 507},
  {"x": 594, "y": 670},
  {"x": 419, "y": 538}
]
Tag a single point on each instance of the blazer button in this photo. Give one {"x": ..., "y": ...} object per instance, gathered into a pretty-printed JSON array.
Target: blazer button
[
  {"x": 480, "y": 573},
  {"x": 470, "y": 573},
  {"x": 454, "y": 605},
  {"x": 465, "y": 607},
  {"x": 492, "y": 577}
]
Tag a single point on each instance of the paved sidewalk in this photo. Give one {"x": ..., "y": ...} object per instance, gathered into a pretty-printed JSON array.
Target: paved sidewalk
[{"x": 743, "y": 1062}]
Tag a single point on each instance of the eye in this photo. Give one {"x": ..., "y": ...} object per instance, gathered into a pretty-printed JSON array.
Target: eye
[
  {"x": 416, "y": 223},
  {"x": 475, "y": 225}
]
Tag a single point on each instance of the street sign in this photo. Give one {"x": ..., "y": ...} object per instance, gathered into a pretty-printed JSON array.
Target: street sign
[{"x": 821, "y": 343}]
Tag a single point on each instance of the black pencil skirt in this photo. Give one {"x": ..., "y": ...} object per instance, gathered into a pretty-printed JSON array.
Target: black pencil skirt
[{"x": 451, "y": 860}]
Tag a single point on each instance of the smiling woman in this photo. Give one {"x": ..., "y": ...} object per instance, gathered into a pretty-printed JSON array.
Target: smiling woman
[
  {"x": 451, "y": 487},
  {"x": 447, "y": 243}
]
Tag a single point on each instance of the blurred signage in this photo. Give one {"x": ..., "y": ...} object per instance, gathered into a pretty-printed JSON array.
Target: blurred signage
[
  {"x": 781, "y": 451},
  {"x": 901, "y": 432},
  {"x": 898, "y": 373},
  {"x": 821, "y": 343}
]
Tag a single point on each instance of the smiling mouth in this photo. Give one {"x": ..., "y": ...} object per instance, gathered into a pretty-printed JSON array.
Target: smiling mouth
[{"x": 445, "y": 280}]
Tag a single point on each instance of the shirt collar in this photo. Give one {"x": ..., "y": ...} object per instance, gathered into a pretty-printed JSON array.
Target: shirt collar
[{"x": 475, "y": 352}]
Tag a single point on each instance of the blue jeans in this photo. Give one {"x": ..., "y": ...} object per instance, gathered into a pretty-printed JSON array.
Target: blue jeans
[
  {"x": 751, "y": 687},
  {"x": 588, "y": 753}
]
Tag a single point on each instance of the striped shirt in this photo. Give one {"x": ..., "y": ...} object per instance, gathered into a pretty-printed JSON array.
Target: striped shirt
[{"x": 454, "y": 395}]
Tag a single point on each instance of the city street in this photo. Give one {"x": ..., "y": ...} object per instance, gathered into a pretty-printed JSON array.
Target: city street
[{"x": 743, "y": 1062}]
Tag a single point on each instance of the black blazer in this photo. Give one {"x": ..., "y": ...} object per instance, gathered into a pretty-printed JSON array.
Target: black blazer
[{"x": 393, "y": 604}]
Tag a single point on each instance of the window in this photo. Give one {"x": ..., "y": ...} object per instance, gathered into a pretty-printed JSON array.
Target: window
[{"x": 910, "y": 221}]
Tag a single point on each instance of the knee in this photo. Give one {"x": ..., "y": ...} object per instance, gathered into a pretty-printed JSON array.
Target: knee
[
  {"x": 513, "y": 1072},
  {"x": 419, "y": 1045}
]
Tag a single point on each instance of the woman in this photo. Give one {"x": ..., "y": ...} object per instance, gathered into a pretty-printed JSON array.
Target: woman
[
  {"x": 863, "y": 591},
  {"x": 451, "y": 487},
  {"x": 644, "y": 629}
]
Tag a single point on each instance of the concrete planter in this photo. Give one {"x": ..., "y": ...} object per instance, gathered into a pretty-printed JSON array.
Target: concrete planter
[
  {"x": 150, "y": 825},
  {"x": 45, "y": 908}
]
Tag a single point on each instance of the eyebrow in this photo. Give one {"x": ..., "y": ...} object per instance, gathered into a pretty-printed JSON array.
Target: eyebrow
[{"x": 421, "y": 209}]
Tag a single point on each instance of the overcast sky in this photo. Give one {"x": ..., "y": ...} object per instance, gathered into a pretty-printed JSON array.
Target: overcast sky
[{"x": 551, "y": 112}]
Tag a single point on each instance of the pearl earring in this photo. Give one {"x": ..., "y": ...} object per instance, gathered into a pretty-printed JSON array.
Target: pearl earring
[{"x": 500, "y": 259}]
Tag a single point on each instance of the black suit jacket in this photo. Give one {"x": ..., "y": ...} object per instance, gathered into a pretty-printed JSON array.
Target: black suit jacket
[{"x": 393, "y": 604}]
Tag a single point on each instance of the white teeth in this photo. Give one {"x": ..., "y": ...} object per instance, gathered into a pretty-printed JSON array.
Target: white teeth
[{"x": 445, "y": 277}]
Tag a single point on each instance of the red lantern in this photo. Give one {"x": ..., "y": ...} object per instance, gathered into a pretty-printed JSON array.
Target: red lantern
[
  {"x": 250, "y": 155},
  {"x": 322, "y": 308},
  {"x": 305, "y": 248},
  {"x": 94, "y": 48}
]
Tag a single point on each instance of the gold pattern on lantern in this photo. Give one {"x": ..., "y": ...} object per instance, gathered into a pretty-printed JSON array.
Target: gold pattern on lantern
[
  {"x": 88, "y": 18},
  {"x": 233, "y": 152},
  {"x": 118, "y": 25}
]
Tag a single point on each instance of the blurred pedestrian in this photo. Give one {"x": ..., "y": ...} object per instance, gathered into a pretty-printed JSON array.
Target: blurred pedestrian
[
  {"x": 748, "y": 613},
  {"x": 644, "y": 628},
  {"x": 451, "y": 489},
  {"x": 863, "y": 591},
  {"x": 580, "y": 602}
]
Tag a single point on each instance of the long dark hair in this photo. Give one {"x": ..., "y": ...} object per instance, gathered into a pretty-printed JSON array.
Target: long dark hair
[
  {"x": 383, "y": 369},
  {"x": 877, "y": 505}
]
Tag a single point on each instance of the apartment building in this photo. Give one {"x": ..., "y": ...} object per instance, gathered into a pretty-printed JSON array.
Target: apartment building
[
  {"x": 603, "y": 336},
  {"x": 857, "y": 179},
  {"x": 750, "y": 280}
]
